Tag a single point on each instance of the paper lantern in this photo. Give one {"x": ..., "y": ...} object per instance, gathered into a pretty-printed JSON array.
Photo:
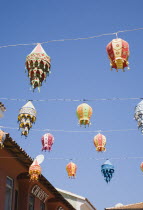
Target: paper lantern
[
  {"x": 38, "y": 66},
  {"x": 107, "y": 170},
  {"x": 47, "y": 141},
  {"x": 84, "y": 112},
  {"x": 100, "y": 142},
  {"x": 71, "y": 169},
  {"x": 2, "y": 109},
  {"x": 118, "y": 53},
  {"x": 2, "y": 138},
  {"x": 26, "y": 117},
  {"x": 139, "y": 115},
  {"x": 34, "y": 171},
  {"x": 141, "y": 166}
]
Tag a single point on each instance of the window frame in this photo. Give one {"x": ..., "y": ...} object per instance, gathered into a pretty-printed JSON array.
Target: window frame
[
  {"x": 11, "y": 188},
  {"x": 33, "y": 204},
  {"x": 42, "y": 206},
  {"x": 16, "y": 200}
]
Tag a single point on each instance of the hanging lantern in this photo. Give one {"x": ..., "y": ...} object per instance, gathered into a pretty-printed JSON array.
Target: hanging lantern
[
  {"x": 141, "y": 166},
  {"x": 107, "y": 169},
  {"x": 34, "y": 171},
  {"x": 84, "y": 112},
  {"x": 118, "y": 53},
  {"x": 2, "y": 109},
  {"x": 2, "y": 138},
  {"x": 71, "y": 169},
  {"x": 27, "y": 116},
  {"x": 47, "y": 141},
  {"x": 100, "y": 142},
  {"x": 139, "y": 115},
  {"x": 38, "y": 66}
]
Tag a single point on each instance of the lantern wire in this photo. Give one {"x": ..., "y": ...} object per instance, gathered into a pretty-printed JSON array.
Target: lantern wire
[
  {"x": 89, "y": 158},
  {"x": 74, "y": 39},
  {"x": 69, "y": 100},
  {"x": 74, "y": 131}
]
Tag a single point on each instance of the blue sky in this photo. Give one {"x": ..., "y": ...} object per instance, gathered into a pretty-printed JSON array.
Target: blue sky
[{"x": 80, "y": 69}]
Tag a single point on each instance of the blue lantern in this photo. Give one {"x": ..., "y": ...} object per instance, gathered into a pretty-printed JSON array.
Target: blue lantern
[
  {"x": 139, "y": 115},
  {"x": 107, "y": 170}
]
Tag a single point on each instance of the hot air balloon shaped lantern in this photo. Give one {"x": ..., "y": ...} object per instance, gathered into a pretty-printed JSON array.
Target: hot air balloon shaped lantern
[
  {"x": 38, "y": 66},
  {"x": 84, "y": 113},
  {"x": 100, "y": 142},
  {"x": 118, "y": 53},
  {"x": 47, "y": 141},
  {"x": 107, "y": 170},
  {"x": 26, "y": 117},
  {"x": 71, "y": 169},
  {"x": 139, "y": 115},
  {"x": 2, "y": 138},
  {"x": 34, "y": 171},
  {"x": 2, "y": 109}
]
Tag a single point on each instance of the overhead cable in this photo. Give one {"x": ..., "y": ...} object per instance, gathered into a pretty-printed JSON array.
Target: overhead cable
[
  {"x": 74, "y": 158},
  {"x": 73, "y": 39},
  {"x": 69, "y": 99},
  {"x": 75, "y": 131}
]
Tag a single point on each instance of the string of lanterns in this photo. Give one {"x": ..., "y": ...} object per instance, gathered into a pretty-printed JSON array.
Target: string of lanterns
[
  {"x": 27, "y": 116},
  {"x": 38, "y": 65}
]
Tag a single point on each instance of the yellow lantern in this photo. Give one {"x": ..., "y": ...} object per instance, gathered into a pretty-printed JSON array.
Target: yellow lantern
[{"x": 84, "y": 112}]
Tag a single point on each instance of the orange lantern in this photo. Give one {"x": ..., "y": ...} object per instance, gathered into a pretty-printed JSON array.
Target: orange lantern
[
  {"x": 141, "y": 166},
  {"x": 34, "y": 171},
  {"x": 71, "y": 169},
  {"x": 118, "y": 53},
  {"x": 100, "y": 142},
  {"x": 2, "y": 138},
  {"x": 84, "y": 112}
]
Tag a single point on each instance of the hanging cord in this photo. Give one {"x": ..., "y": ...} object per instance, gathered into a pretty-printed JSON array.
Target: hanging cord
[
  {"x": 116, "y": 35},
  {"x": 72, "y": 131},
  {"x": 86, "y": 158},
  {"x": 74, "y": 39},
  {"x": 69, "y": 99}
]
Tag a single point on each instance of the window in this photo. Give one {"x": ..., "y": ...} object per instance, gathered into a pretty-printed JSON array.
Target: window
[
  {"x": 31, "y": 202},
  {"x": 16, "y": 200},
  {"x": 42, "y": 206},
  {"x": 9, "y": 191}
]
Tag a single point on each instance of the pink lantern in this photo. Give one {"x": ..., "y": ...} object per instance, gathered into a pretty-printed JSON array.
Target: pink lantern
[{"x": 47, "y": 141}]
